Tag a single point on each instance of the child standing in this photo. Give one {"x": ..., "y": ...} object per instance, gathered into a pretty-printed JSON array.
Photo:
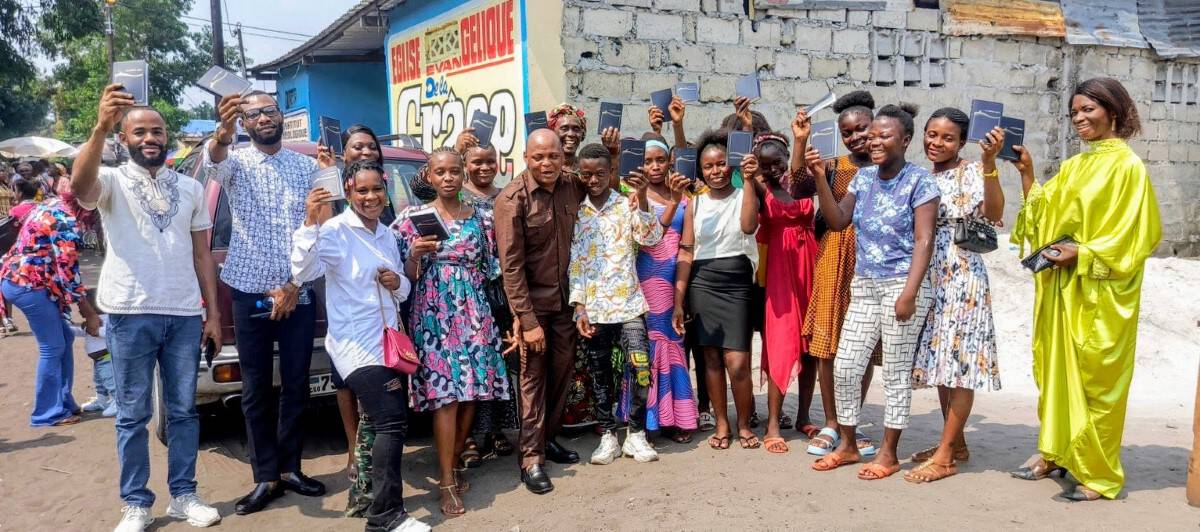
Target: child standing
[
  {"x": 609, "y": 305},
  {"x": 103, "y": 379}
]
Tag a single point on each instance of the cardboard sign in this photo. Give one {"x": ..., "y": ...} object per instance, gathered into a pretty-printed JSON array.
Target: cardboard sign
[
  {"x": 484, "y": 125},
  {"x": 610, "y": 116},
  {"x": 1014, "y": 135},
  {"x": 985, "y": 115},
  {"x": 222, "y": 82},
  {"x": 134, "y": 78}
]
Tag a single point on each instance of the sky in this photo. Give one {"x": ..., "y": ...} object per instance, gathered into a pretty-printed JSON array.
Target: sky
[{"x": 303, "y": 17}]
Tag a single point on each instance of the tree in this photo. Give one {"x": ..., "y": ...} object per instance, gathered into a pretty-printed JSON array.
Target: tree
[
  {"x": 23, "y": 104},
  {"x": 204, "y": 111}
]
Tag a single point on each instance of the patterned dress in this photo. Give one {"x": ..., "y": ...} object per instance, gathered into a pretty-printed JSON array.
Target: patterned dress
[
  {"x": 451, "y": 322},
  {"x": 671, "y": 402},
  {"x": 958, "y": 345},
  {"x": 831, "y": 279}
]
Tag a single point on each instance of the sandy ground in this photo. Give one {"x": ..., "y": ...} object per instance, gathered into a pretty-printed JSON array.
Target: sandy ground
[{"x": 65, "y": 479}]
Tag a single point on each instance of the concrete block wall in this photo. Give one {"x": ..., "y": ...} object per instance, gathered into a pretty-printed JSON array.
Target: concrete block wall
[{"x": 622, "y": 50}]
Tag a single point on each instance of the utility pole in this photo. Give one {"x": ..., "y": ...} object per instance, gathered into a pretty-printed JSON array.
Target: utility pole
[
  {"x": 241, "y": 50},
  {"x": 218, "y": 40},
  {"x": 108, "y": 34}
]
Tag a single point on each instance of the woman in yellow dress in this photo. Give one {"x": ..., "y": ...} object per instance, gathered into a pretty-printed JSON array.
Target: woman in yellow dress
[{"x": 1086, "y": 306}]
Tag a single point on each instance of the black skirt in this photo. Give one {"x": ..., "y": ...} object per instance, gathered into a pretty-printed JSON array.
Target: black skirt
[{"x": 720, "y": 301}]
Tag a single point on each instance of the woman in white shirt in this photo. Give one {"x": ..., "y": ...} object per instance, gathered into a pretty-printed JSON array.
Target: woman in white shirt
[
  {"x": 359, "y": 259},
  {"x": 714, "y": 276}
]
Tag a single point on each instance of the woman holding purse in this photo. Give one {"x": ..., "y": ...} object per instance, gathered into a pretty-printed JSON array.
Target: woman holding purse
[
  {"x": 358, "y": 257},
  {"x": 456, "y": 335}
]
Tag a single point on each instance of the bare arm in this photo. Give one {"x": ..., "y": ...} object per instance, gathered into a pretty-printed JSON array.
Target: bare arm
[
  {"x": 206, "y": 274},
  {"x": 993, "y": 194},
  {"x": 113, "y": 104},
  {"x": 677, "y": 110},
  {"x": 683, "y": 270},
  {"x": 924, "y": 219},
  {"x": 801, "y": 129},
  {"x": 229, "y": 109},
  {"x": 1025, "y": 166},
  {"x": 838, "y": 215}
]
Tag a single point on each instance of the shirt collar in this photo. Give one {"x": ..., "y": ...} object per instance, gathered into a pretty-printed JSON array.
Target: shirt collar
[
  {"x": 133, "y": 170},
  {"x": 613, "y": 197},
  {"x": 352, "y": 220}
]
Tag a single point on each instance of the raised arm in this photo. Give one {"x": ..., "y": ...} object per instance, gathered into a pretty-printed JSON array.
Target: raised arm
[
  {"x": 750, "y": 189},
  {"x": 993, "y": 194},
  {"x": 677, "y": 109},
  {"x": 801, "y": 129},
  {"x": 838, "y": 214},
  {"x": 86, "y": 171},
  {"x": 229, "y": 108}
]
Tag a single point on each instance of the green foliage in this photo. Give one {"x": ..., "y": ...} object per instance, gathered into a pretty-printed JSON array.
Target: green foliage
[{"x": 23, "y": 104}]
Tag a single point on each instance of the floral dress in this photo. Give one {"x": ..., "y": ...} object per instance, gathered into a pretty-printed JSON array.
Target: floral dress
[
  {"x": 451, "y": 322},
  {"x": 45, "y": 256},
  {"x": 958, "y": 345}
]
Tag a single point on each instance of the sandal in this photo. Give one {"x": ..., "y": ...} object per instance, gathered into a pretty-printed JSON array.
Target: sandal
[
  {"x": 776, "y": 445},
  {"x": 931, "y": 471},
  {"x": 707, "y": 421},
  {"x": 501, "y": 444},
  {"x": 831, "y": 461},
  {"x": 451, "y": 505},
  {"x": 470, "y": 457},
  {"x": 785, "y": 421},
  {"x": 682, "y": 436},
  {"x": 874, "y": 471},
  {"x": 69, "y": 420},
  {"x": 866, "y": 447},
  {"x": 1038, "y": 468},
  {"x": 809, "y": 430},
  {"x": 961, "y": 454},
  {"x": 754, "y": 420},
  {"x": 818, "y": 446},
  {"x": 750, "y": 442},
  {"x": 1081, "y": 494},
  {"x": 719, "y": 443},
  {"x": 460, "y": 480}
]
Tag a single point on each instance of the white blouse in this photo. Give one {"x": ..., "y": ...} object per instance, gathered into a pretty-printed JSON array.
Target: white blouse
[
  {"x": 717, "y": 224},
  {"x": 349, "y": 256}
]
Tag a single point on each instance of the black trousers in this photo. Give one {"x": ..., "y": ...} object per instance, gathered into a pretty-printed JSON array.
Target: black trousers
[
  {"x": 632, "y": 339},
  {"x": 273, "y": 423},
  {"x": 383, "y": 394}
]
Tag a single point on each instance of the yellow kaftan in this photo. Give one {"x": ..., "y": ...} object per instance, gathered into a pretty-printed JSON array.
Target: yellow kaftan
[{"x": 1085, "y": 317}]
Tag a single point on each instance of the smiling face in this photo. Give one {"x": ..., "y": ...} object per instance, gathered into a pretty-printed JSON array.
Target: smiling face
[
  {"x": 544, "y": 157},
  {"x": 594, "y": 173},
  {"x": 570, "y": 132},
  {"x": 886, "y": 140},
  {"x": 656, "y": 164},
  {"x": 853, "y": 127},
  {"x": 481, "y": 166},
  {"x": 1091, "y": 120},
  {"x": 446, "y": 174},
  {"x": 712, "y": 166},
  {"x": 943, "y": 140},
  {"x": 144, "y": 133},
  {"x": 361, "y": 146},
  {"x": 266, "y": 128},
  {"x": 772, "y": 161},
  {"x": 367, "y": 194}
]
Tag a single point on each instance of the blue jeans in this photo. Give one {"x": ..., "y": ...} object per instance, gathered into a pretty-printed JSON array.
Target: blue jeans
[
  {"x": 103, "y": 379},
  {"x": 137, "y": 342},
  {"x": 52, "y": 400}
]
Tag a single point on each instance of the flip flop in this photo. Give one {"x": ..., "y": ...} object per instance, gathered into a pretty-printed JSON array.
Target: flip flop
[
  {"x": 817, "y": 450},
  {"x": 706, "y": 421},
  {"x": 750, "y": 442},
  {"x": 69, "y": 420},
  {"x": 809, "y": 430},
  {"x": 775, "y": 445},
  {"x": 830, "y": 462},
  {"x": 682, "y": 436},
  {"x": 873, "y": 471},
  {"x": 867, "y": 451},
  {"x": 719, "y": 443},
  {"x": 930, "y": 471}
]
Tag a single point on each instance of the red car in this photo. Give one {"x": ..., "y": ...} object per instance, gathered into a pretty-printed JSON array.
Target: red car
[{"x": 222, "y": 383}]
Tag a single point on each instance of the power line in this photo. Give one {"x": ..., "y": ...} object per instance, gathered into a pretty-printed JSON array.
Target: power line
[
  {"x": 229, "y": 24},
  {"x": 277, "y": 37}
]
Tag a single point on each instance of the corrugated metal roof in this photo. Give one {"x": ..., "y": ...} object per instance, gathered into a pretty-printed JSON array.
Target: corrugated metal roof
[
  {"x": 1003, "y": 17},
  {"x": 1171, "y": 26},
  {"x": 1103, "y": 22},
  {"x": 346, "y": 38}
]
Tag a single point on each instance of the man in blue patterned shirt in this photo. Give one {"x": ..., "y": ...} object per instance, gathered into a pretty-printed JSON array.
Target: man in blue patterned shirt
[{"x": 266, "y": 185}]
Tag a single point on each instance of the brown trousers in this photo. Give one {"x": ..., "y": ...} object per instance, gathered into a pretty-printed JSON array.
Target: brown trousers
[{"x": 544, "y": 381}]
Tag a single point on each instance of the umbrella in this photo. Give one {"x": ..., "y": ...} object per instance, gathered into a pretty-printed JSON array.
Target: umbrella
[{"x": 36, "y": 147}]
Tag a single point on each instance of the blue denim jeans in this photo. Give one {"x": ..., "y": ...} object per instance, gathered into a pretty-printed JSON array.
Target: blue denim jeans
[
  {"x": 52, "y": 399},
  {"x": 102, "y": 377},
  {"x": 138, "y": 342}
]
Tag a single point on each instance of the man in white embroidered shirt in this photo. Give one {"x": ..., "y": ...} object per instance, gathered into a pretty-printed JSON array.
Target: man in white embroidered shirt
[
  {"x": 609, "y": 306},
  {"x": 157, "y": 266},
  {"x": 266, "y": 185}
]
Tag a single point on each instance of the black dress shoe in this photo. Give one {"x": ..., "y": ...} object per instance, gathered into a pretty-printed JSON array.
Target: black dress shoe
[
  {"x": 560, "y": 455},
  {"x": 302, "y": 485},
  {"x": 536, "y": 480},
  {"x": 259, "y": 498}
]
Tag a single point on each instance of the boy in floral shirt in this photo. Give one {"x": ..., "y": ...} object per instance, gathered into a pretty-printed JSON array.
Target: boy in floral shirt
[{"x": 609, "y": 306}]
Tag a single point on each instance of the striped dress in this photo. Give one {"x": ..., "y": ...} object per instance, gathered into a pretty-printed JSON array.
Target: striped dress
[{"x": 671, "y": 401}]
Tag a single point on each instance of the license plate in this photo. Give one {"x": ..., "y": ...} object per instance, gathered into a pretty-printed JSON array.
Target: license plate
[{"x": 320, "y": 384}]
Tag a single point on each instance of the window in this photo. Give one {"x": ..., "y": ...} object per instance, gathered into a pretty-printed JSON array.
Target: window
[
  {"x": 289, "y": 99},
  {"x": 1176, "y": 83},
  {"x": 908, "y": 58},
  {"x": 222, "y": 229}
]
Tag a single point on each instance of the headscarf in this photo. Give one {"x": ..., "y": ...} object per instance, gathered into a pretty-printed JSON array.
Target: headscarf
[{"x": 565, "y": 109}]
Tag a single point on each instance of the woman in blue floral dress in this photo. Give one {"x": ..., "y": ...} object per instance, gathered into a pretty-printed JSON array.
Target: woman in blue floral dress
[{"x": 451, "y": 322}]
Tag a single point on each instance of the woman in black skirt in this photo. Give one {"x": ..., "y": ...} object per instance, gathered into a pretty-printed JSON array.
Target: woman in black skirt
[{"x": 715, "y": 279}]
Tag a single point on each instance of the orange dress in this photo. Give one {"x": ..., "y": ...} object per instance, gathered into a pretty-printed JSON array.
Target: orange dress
[{"x": 831, "y": 279}]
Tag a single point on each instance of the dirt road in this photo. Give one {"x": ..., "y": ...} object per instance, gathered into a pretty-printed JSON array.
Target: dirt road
[{"x": 65, "y": 478}]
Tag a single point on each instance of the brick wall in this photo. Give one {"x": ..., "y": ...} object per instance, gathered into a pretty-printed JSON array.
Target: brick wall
[{"x": 622, "y": 50}]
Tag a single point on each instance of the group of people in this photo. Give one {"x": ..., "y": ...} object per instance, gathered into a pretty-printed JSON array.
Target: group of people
[{"x": 576, "y": 291}]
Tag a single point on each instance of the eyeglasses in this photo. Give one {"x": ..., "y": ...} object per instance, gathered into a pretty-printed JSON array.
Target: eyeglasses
[{"x": 253, "y": 114}]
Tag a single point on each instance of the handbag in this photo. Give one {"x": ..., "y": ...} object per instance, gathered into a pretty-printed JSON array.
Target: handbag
[
  {"x": 973, "y": 234},
  {"x": 398, "y": 350},
  {"x": 1036, "y": 262}
]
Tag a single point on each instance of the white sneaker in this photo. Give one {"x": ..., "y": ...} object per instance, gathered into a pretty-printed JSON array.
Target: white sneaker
[
  {"x": 196, "y": 511},
  {"x": 135, "y": 519},
  {"x": 96, "y": 404},
  {"x": 412, "y": 524},
  {"x": 608, "y": 450},
  {"x": 638, "y": 448}
]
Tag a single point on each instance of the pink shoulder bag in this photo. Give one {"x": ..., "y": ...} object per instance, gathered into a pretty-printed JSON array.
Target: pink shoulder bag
[{"x": 398, "y": 350}]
